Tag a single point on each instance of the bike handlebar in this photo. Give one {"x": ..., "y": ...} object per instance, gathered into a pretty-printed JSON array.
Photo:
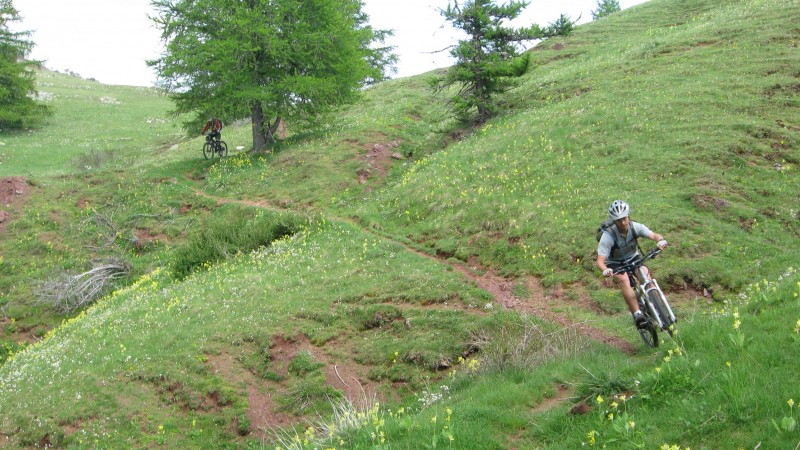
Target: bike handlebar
[{"x": 629, "y": 267}]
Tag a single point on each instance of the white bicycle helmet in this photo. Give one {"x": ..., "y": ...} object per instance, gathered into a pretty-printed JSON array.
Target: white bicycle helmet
[{"x": 618, "y": 210}]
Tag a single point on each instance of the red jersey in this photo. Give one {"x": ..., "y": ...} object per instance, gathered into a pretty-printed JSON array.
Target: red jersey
[{"x": 213, "y": 125}]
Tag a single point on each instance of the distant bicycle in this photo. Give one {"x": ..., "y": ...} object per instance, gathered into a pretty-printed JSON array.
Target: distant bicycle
[
  {"x": 213, "y": 147},
  {"x": 652, "y": 301}
]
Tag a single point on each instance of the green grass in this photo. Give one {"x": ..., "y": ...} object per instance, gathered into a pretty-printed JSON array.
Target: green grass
[
  {"x": 282, "y": 274},
  {"x": 93, "y": 126}
]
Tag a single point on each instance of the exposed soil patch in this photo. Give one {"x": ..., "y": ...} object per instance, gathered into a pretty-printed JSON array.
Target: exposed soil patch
[
  {"x": 707, "y": 202},
  {"x": 378, "y": 159},
  {"x": 13, "y": 192},
  {"x": 263, "y": 204},
  {"x": 339, "y": 374},
  {"x": 28, "y": 335},
  {"x": 144, "y": 238},
  {"x": 262, "y": 411},
  {"x": 562, "y": 394},
  {"x": 11, "y": 188}
]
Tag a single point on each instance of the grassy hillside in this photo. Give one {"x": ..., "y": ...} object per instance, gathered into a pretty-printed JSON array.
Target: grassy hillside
[
  {"x": 395, "y": 281},
  {"x": 86, "y": 129}
]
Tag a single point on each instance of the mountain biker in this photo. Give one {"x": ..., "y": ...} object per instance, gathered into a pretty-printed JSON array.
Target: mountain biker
[
  {"x": 214, "y": 126},
  {"x": 618, "y": 245}
]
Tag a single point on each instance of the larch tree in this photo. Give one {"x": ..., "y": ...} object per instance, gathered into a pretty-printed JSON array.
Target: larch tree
[
  {"x": 605, "y": 8},
  {"x": 489, "y": 59},
  {"x": 18, "y": 105},
  {"x": 266, "y": 60}
]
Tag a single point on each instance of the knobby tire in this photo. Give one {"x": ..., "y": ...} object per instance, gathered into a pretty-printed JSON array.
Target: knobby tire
[
  {"x": 208, "y": 150},
  {"x": 661, "y": 309},
  {"x": 650, "y": 335}
]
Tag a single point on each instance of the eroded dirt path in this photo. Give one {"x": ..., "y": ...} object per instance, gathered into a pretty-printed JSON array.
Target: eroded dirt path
[{"x": 537, "y": 303}]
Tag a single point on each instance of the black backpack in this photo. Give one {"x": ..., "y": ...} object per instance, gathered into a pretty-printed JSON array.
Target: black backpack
[{"x": 608, "y": 223}]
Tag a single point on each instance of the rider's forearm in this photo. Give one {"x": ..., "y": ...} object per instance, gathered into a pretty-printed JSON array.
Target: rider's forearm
[
  {"x": 656, "y": 237},
  {"x": 601, "y": 263}
]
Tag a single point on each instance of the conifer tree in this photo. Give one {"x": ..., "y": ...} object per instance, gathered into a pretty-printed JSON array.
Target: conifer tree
[
  {"x": 18, "y": 105},
  {"x": 266, "y": 59},
  {"x": 604, "y": 8},
  {"x": 489, "y": 59}
]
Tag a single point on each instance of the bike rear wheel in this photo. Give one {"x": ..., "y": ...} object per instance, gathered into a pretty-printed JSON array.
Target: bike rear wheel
[
  {"x": 208, "y": 150},
  {"x": 222, "y": 148}
]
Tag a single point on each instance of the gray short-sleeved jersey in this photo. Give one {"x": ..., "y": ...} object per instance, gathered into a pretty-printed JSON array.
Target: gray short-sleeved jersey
[{"x": 626, "y": 246}]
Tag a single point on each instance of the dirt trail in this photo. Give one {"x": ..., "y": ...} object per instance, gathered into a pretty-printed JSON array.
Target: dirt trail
[
  {"x": 501, "y": 288},
  {"x": 537, "y": 303}
]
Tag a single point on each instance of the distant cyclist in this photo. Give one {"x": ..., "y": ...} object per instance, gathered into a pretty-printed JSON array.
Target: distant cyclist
[
  {"x": 214, "y": 127},
  {"x": 618, "y": 245}
]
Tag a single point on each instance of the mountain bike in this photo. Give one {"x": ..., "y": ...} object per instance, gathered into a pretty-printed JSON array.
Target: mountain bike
[
  {"x": 213, "y": 147},
  {"x": 652, "y": 301}
]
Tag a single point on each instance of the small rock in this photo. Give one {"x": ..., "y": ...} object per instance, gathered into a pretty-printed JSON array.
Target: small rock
[{"x": 580, "y": 409}]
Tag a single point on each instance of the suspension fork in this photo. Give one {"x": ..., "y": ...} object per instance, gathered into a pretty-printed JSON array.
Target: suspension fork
[
  {"x": 650, "y": 284},
  {"x": 639, "y": 282}
]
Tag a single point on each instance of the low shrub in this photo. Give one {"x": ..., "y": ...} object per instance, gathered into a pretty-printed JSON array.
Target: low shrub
[{"x": 231, "y": 233}]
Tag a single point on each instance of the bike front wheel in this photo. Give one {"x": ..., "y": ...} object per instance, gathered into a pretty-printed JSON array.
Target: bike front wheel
[
  {"x": 650, "y": 335},
  {"x": 222, "y": 148},
  {"x": 208, "y": 150},
  {"x": 663, "y": 313}
]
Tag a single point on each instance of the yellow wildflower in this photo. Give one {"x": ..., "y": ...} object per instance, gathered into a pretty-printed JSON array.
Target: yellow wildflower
[{"x": 592, "y": 435}]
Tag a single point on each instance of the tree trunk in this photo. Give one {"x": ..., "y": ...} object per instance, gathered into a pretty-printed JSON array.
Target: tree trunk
[
  {"x": 263, "y": 131},
  {"x": 273, "y": 129},
  {"x": 259, "y": 140}
]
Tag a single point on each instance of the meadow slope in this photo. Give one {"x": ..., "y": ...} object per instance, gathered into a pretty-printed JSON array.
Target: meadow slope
[{"x": 426, "y": 285}]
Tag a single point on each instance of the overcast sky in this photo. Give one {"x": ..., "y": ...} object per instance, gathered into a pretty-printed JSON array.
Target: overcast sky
[{"x": 109, "y": 40}]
